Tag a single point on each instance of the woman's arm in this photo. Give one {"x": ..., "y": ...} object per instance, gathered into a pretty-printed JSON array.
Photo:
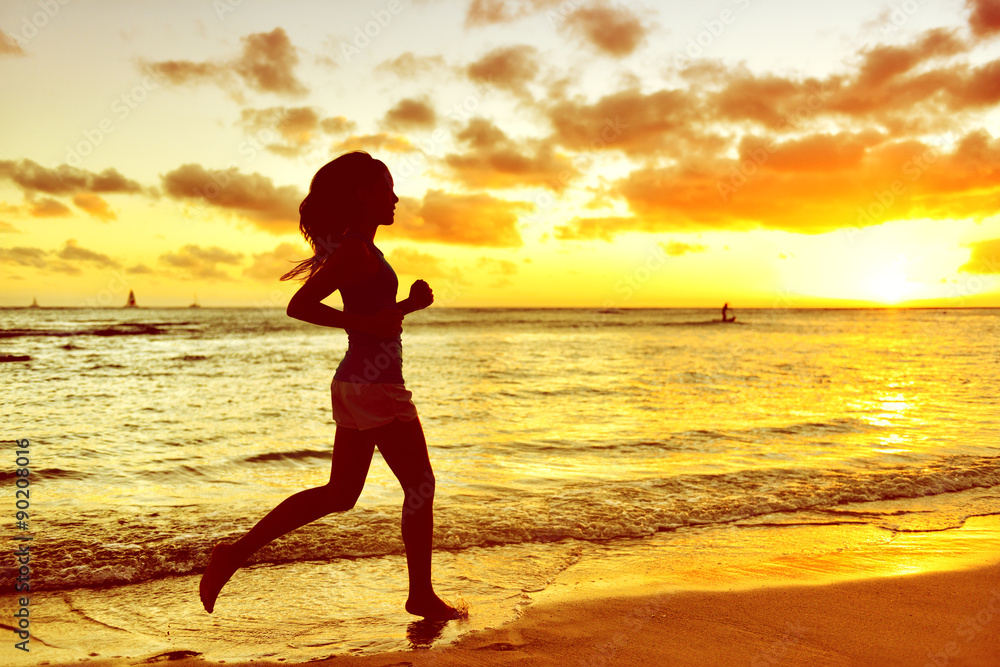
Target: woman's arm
[
  {"x": 420, "y": 297},
  {"x": 349, "y": 264}
]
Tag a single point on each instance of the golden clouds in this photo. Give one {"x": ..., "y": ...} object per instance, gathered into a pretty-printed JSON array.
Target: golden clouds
[
  {"x": 820, "y": 183},
  {"x": 410, "y": 114},
  {"x": 493, "y": 160},
  {"x": 472, "y": 219},
  {"x": 47, "y": 207},
  {"x": 253, "y": 197},
  {"x": 71, "y": 259},
  {"x": 9, "y": 46},
  {"x": 193, "y": 262},
  {"x": 95, "y": 206},
  {"x": 985, "y": 17},
  {"x": 266, "y": 64},
  {"x": 270, "y": 266},
  {"x": 615, "y": 31},
  {"x": 415, "y": 263},
  {"x": 985, "y": 257},
  {"x": 638, "y": 124},
  {"x": 64, "y": 180},
  {"x": 507, "y": 67}
]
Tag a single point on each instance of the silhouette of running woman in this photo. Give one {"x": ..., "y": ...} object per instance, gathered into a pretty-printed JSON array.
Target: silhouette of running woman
[{"x": 349, "y": 198}]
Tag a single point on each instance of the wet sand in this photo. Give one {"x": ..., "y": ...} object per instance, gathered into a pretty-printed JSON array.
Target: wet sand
[{"x": 929, "y": 598}]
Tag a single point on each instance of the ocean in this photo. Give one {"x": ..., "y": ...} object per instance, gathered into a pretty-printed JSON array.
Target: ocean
[{"x": 556, "y": 435}]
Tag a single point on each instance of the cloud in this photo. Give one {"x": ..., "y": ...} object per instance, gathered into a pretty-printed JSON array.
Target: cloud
[
  {"x": 67, "y": 260},
  {"x": 46, "y": 207},
  {"x": 616, "y": 31},
  {"x": 195, "y": 263},
  {"x": 290, "y": 131},
  {"x": 7, "y": 228},
  {"x": 21, "y": 256},
  {"x": 985, "y": 257},
  {"x": 270, "y": 266},
  {"x": 410, "y": 114},
  {"x": 373, "y": 143},
  {"x": 266, "y": 64},
  {"x": 74, "y": 253},
  {"x": 664, "y": 122},
  {"x": 253, "y": 197},
  {"x": 337, "y": 124},
  {"x": 493, "y": 160},
  {"x": 822, "y": 183},
  {"x": 985, "y": 17},
  {"x": 410, "y": 66},
  {"x": 676, "y": 248},
  {"x": 95, "y": 206},
  {"x": 465, "y": 219},
  {"x": 508, "y": 67},
  {"x": 9, "y": 46},
  {"x": 286, "y": 131},
  {"x": 64, "y": 180},
  {"x": 415, "y": 263},
  {"x": 487, "y": 12}
]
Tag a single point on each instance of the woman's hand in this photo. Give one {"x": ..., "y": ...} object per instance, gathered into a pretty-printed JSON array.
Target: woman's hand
[
  {"x": 387, "y": 323},
  {"x": 421, "y": 295}
]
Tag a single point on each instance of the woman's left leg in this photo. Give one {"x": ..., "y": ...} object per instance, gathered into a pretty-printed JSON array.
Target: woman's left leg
[{"x": 404, "y": 449}]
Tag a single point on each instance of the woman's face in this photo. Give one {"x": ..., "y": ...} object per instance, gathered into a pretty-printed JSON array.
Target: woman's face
[{"x": 379, "y": 198}]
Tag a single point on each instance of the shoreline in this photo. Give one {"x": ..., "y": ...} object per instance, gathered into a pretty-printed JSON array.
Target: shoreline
[{"x": 923, "y": 598}]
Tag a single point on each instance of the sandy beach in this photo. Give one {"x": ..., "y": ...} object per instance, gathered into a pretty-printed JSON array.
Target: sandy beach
[{"x": 928, "y": 598}]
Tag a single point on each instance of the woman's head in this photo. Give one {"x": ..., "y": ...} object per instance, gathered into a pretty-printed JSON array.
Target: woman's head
[{"x": 347, "y": 192}]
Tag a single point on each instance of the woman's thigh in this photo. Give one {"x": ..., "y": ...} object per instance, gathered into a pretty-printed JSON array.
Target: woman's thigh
[
  {"x": 352, "y": 456},
  {"x": 402, "y": 445}
]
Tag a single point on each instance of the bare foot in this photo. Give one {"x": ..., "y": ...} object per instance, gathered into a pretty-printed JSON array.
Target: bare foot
[
  {"x": 434, "y": 608},
  {"x": 220, "y": 569}
]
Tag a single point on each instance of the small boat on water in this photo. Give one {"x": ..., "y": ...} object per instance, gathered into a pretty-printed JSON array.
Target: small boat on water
[
  {"x": 34, "y": 303},
  {"x": 195, "y": 304},
  {"x": 131, "y": 300}
]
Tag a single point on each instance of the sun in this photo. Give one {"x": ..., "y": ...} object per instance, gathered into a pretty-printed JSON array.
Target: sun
[{"x": 889, "y": 284}]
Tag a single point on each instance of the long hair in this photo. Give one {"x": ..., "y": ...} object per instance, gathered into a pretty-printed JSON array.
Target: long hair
[{"x": 332, "y": 206}]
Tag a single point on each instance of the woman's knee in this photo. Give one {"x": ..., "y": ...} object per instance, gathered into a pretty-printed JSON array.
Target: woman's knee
[{"x": 338, "y": 500}]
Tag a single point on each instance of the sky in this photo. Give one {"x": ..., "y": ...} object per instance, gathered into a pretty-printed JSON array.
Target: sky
[{"x": 546, "y": 153}]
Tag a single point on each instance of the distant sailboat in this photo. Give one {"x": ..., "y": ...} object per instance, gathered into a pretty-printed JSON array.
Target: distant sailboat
[
  {"x": 195, "y": 304},
  {"x": 34, "y": 303},
  {"x": 131, "y": 300}
]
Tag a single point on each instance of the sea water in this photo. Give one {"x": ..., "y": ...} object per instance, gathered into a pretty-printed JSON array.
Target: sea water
[{"x": 155, "y": 433}]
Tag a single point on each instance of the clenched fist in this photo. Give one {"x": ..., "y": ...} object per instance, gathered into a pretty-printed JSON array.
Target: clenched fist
[{"x": 421, "y": 295}]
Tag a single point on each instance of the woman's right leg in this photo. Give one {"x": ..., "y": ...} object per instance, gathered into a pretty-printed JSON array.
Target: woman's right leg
[{"x": 352, "y": 456}]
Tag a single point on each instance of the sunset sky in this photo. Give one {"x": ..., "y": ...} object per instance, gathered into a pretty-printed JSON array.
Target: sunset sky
[{"x": 546, "y": 153}]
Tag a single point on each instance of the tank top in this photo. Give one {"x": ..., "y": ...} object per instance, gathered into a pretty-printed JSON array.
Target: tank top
[{"x": 369, "y": 358}]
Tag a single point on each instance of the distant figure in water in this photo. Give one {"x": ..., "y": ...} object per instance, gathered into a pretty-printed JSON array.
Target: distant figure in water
[
  {"x": 349, "y": 198},
  {"x": 725, "y": 307}
]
